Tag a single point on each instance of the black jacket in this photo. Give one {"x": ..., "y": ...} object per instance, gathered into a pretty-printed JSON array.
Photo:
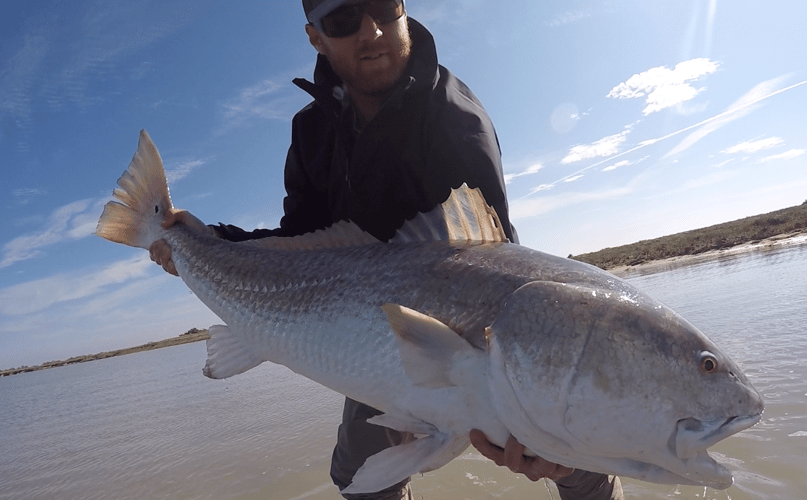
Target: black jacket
[{"x": 431, "y": 135}]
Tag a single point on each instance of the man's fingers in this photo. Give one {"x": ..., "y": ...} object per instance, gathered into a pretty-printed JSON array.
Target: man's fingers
[
  {"x": 160, "y": 252},
  {"x": 171, "y": 218},
  {"x": 486, "y": 448},
  {"x": 512, "y": 457},
  {"x": 170, "y": 268},
  {"x": 538, "y": 468},
  {"x": 185, "y": 217}
]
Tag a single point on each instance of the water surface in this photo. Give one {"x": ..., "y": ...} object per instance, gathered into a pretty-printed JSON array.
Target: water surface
[{"x": 149, "y": 425}]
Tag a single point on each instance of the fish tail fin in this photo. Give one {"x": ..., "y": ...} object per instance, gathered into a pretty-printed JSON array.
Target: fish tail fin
[{"x": 143, "y": 197}]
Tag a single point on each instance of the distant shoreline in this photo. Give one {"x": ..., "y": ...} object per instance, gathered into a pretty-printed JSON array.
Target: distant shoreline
[
  {"x": 741, "y": 235},
  {"x": 779, "y": 241},
  {"x": 192, "y": 335}
]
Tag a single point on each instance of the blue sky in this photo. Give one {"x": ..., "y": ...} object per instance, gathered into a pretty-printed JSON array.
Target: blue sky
[{"x": 618, "y": 121}]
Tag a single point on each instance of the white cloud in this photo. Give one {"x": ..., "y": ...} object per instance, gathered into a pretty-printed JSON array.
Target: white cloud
[
  {"x": 747, "y": 103},
  {"x": 72, "y": 54},
  {"x": 36, "y": 295},
  {"x": 665, "y": 87},
  {"x": 23, "y": 196},
  {"x": 19, "y": 75},
  {"x": 569, "y": 17},
  {"x": 753, "y": 146},
  {"x": 541, "y": 187},
  {"x": 72, "y": 221},
  {"x": 526, "y": 208},
  {"x": 606, "y": 146},
  {"x": 532, "y": 169},
  {"x": 177, "y": 172},
  {"x": 623, "y": 163},
  {"x": 271, "y": 99},
  {"x": 787, "y": 155},
  {"x": 573, "y": 178}
]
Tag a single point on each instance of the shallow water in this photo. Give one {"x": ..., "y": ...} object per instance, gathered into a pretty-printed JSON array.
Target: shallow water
[{"x": 149, "y": 425}]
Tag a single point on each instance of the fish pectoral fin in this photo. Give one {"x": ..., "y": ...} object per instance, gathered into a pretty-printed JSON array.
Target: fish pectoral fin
[
  {"x": 427, "y": 346},
  {"x": 397, "y": 463},
  {"x": 226, "y": 355}
]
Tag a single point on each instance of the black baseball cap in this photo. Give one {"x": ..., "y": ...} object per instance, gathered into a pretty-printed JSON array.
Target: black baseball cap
[
  {"x": 320, "y": 8},
  {"x": 349, "y": 21}
]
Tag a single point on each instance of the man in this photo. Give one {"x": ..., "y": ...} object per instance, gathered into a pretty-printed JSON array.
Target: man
[{"x": 389, "y": 134}]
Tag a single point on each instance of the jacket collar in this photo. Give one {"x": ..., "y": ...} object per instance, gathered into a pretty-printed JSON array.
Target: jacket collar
[{"x": 422, "y": 72}]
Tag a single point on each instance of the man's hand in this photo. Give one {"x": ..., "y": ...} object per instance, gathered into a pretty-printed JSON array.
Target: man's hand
[
  {"x": 512, "y": 457},
  {"x": 160, "y": 251}
]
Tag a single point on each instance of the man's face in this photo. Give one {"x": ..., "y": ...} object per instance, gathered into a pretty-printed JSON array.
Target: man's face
[{"x": 370, "y": 61}]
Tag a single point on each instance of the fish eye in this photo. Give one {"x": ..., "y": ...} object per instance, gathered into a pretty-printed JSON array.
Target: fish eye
[{"x": 708, "y": 362}]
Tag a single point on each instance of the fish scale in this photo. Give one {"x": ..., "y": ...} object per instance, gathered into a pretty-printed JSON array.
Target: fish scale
[{"x": 450, "y": 328}]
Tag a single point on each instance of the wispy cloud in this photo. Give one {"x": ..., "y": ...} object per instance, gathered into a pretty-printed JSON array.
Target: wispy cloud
[
  {"x": 70, "y": 222},
  {"x": 607, "y": 146},
  {"x": 23, "y": 196},
  {"x": 569, "y": 17},
  {"x": 526, "y": 208},
  {"x": 741, "y": 107},
  {"x": 532, "y": 169},
  {"x": 747, "y": 103},
  {"x": 623, "y": 163},
  {"x": 59, "y": 62},
  {"x": 787, "y": 155},
  {"x": 753, "y": 146},
  {"x": 18, "y": 78},
  {"x": 664, "y": 87},
  {"x": 274, "y": 98},
  {"x": 37, "y": 295},
  {"x": 174, "y": 173}
]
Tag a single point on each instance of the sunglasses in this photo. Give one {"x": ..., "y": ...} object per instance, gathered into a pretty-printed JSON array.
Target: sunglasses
[{"x": 346, "y": 20}]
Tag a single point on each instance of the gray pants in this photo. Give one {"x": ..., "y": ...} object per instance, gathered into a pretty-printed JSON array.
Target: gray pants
[{"x": 356, "y": 440}]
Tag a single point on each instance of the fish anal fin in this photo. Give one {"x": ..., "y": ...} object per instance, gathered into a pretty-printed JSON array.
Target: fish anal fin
[
  {"x": 427, "y": 346},
  {"x": 397, "y": 463},
  {"x": 226, "y": 355}
]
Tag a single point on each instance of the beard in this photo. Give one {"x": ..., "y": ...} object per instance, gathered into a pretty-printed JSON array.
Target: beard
[{"x": 376, "y": 66}]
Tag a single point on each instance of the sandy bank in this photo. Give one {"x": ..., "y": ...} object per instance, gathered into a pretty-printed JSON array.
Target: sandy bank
[
  {"x": 778, "y": 241},
  {"x": 193, "y": 335}
]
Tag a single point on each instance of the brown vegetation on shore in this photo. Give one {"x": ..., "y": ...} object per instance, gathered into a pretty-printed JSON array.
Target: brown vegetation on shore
[
  {"x": 787, "y": 222},
  {"x": 192, "y": 335}
]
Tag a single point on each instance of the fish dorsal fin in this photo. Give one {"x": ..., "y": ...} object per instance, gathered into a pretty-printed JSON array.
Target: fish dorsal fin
[
  {"x": 340, "y": 234},
  {"x": 464, "y": 216}
]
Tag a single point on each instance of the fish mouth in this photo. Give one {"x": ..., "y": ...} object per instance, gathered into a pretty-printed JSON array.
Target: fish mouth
[
  {"x": 691, "y": 439},
  {"x": 693, "y": 435}
]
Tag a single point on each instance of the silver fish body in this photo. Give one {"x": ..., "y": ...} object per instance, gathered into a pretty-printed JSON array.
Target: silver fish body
[{"x": 445, "y": 334}]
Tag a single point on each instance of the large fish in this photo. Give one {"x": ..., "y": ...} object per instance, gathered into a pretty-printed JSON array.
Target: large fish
[{"x": 449, "y": 328}]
